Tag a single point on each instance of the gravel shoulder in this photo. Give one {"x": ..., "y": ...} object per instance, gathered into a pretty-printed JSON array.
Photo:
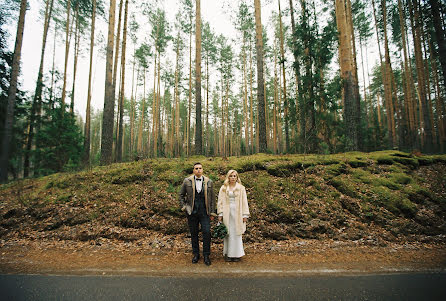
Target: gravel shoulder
[{"x": 268, "y": 259}]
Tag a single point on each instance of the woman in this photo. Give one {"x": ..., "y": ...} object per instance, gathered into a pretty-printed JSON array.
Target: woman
[{"x": 232, "y": 209}]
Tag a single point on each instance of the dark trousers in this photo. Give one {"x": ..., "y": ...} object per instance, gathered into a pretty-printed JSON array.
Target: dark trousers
[{"x": 193, "y": 220}]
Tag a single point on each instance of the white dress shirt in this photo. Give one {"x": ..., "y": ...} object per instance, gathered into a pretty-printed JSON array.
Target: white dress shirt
[{"x": 199, "y": 184}]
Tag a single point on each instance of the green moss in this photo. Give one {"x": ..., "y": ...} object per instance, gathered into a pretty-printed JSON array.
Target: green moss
[
  {"x": 386, "y": 198},
  {"x": 336, "y": 169},
  {"x": 401, "y": 178},
  {"x": 370, "y": 215},
  {"x": 344, "y": 186},
  {"x": 134, "y": 212},
  {"x": 362, "y": 176},
  {"x": 171, "y": 188},
  {"x": 61, "y": 184},
  {"x": 417, "y": 194},
  {"x": 63, "y": 198},
  {"x": 162, "y": 166},
  {"x": 284, "y": 169},
  {"x": 391, "y": 157},
  {"x": 330, "y": 161},
  {"x": 93, "y": 215},
  {"x": 311, "y": 213},
  {"x": 314, "y": 183},
  {"x": 127, "y": 178},
  {"x": 259, "y": 183},
  {"x": 396, "y": 168},
  {"x": 171, "y": 176},
  {"x": 274, "y": 206},
  {"x": 357, "y": 163},
  {"x": 439, "y": 159},
  {"x": 406, "y": 207},
  {"x": 410, "y": 162},
  {"x": 385, "y": 160},
  {"x": 424, "y": 161},
  {"x": 335, "y": 195},
  {"x": 385, "y": 182},
  {"x": 401, "y": 154},
  {"x": 175, "y": 211},
  {"x": 251, "y": 163}
]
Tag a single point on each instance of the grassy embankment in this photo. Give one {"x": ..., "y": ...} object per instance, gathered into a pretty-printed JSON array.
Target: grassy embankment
[{"x": 387, "y": 195}]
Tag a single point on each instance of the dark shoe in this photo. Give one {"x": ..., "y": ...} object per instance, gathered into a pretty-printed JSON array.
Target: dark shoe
[
  {"x": 227, "y": 259},
  {"x": 236, "y": 259},
  {"x": 207, "y": 260},
  {"x": 196, "y": 258}
]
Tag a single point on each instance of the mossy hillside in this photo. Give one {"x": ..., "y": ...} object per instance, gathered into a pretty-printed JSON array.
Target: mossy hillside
[{"x": 341, "y": 196}]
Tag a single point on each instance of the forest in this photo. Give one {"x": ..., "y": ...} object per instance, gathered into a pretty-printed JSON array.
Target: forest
[{"x": 316, "y": 77}]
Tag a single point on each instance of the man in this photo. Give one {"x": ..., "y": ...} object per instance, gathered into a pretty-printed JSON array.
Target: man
[{"x": 197, "y": 199}]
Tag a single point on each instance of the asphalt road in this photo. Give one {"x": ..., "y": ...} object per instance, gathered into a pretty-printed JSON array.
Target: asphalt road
[{"x": 420, "y": 286}]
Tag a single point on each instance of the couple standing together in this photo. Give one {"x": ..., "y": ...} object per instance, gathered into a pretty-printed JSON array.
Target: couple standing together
[{"x": 197, "y": 199}]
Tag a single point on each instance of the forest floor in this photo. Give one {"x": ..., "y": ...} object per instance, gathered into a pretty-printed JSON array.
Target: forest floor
[{"x": 296, "y": 257}]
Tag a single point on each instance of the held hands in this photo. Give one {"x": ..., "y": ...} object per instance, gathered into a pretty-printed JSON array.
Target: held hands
[{"x": 245, "y": 219}]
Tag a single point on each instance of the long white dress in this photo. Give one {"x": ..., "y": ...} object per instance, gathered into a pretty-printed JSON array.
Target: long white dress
[{"x": 233, "y": 244}]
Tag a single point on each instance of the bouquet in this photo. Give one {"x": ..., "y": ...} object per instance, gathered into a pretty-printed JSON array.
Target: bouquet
[{"x": 219, "y": 230}]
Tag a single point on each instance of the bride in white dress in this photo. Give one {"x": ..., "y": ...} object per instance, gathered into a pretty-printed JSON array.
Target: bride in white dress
[{"x": 232, "y": 209}]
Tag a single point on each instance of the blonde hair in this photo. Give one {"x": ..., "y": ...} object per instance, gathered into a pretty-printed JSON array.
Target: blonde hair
[{"x": 226, "y": 182}]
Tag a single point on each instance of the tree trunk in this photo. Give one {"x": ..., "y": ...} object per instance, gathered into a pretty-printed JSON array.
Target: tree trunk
[
  {"x": 115, "y": 72},
  {"x": 285, "y": 95},
  {"x": 279, "y": 110},
  {"x": 438, "y": 104},
  {"x": 86, "y": 155},
  {"x": 152, "y": 148},
  {"x": 190, "y": 93},
  {"x": 226, "y": 144},
  {"x": 416, "y": 106},
  {"x": 304, "y": 103},
  {"x": 141, "y": 121},
  {"x": 109, "y": 103},
  {"x": 76, "y": 54},
  {"x": 440, "y": 35},
  {"x": 7, "y": 134},
  {"x": 176, "y": 99},
  {"x": 364, "y": 82},
  {"x": 296, "y": 62},
  {"x": 67, "y": 49},
  {"x": 157, "y": 133},
  {"x": 383, "y": 71},
  {"x": 275, "y": 108},
  {"x": 251, "y": 131},
  {"x": 355, "y": 76},
  {"x": 428, "y": 88},
  {"x": 198, "y": 125},
  {"x": 262, "y": 145},
  {"x": 223, "y": 122},
  {"x": 408, "y": 95},
  {"x": 347, "y": 75},
  {"x": 132, "y": 106},
  {"x": 37, "y": 100},
  {"x": 388, "y": 75},
  {"x": 121, "y": 100},
  {"x": 207, "y": 146},
  {"x": 245, "y": 98},
  {"x": 416, "y": 31}
]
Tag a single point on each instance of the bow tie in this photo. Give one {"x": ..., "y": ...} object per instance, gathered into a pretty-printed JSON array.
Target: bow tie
[{"x": 197, "y": 179}]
